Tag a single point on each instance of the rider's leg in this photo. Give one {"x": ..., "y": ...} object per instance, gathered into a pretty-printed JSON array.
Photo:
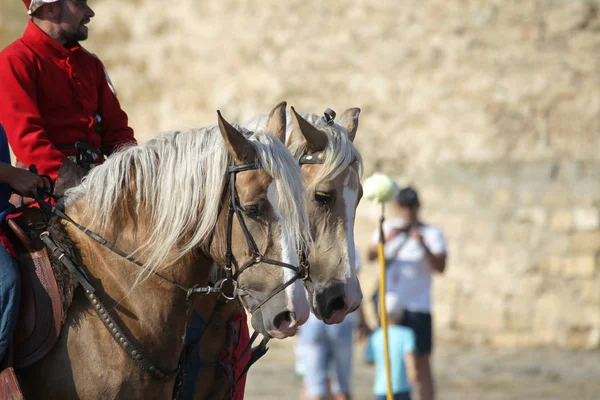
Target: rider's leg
[{"x": 10, "y": 290}]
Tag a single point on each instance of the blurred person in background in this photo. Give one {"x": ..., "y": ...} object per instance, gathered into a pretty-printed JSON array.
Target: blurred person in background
[
  {"x": 57, "y": 99},
  {"x": 401, "y": 350},
  {"x": 324, "y": 356},
  {"x": 414, "y": 251}
]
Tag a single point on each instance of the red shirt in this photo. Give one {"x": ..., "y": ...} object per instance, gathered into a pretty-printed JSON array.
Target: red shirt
[{"x": 49, "y": 95}]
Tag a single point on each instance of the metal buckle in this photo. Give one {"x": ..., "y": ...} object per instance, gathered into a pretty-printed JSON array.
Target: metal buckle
[
  {"x": 329, "y": 116},
  {"x": 220, "y": 288}
]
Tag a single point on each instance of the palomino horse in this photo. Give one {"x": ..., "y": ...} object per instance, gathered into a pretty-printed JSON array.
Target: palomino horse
[
  {"x": 335, "y": 168},
  {"x": 331, "y": 170},
  {"x": 166, "y": 202}
]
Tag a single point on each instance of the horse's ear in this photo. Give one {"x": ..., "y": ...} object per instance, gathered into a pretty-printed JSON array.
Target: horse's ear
[
  {"x": 276, "y": 122},
  {"x": 349, "y": 120},
  {"x": 303, "y": 131},
  {"x": 240, "y": 148}
]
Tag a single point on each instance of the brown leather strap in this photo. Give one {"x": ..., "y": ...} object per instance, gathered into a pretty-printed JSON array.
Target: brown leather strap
[
  {"x": 9, "y": 386},
  {"x": 29, "y": 246}
]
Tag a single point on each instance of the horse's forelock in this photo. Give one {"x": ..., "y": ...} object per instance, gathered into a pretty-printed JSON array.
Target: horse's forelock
[{"x": 340, "y": 152}]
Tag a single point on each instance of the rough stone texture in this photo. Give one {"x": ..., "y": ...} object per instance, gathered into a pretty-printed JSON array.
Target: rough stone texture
[
  {"x": 562, "y": 220},
  {"x": 491, "y": 107},
  {"x": 587, "y": 219}
]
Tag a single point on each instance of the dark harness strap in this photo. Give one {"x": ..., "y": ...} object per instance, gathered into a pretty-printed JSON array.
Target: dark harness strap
[
  {"x": 106, "y": 316},
  {"x": 312, "y": 158},
  {"x": 235, "y": 209},
  {"x": 257, "y": 353}
]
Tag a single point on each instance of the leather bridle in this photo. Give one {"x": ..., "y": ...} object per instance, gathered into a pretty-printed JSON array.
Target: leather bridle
[
  {"x": 235, "y": 210},
  {"x": 261, "y": 349}
]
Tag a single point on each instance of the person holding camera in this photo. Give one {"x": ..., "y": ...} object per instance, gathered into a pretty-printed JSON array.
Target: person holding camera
[{"x": 414, "y": 252}]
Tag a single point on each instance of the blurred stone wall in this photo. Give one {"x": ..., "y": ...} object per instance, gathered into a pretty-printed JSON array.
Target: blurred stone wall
[
  {"x": 490, "y": 107},
  {"x": 524, "y": 252}
]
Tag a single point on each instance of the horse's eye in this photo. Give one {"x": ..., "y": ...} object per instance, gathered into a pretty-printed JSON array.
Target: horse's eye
[
  {"x": 324, "y": 198},
  {"x": 253, "y": 209}
]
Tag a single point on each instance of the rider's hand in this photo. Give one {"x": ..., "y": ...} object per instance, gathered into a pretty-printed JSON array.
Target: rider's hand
[{"x": 27, "y": 183}]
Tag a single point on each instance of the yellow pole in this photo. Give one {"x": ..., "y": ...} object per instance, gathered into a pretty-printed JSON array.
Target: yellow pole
[{"x": 382, "y": 312}]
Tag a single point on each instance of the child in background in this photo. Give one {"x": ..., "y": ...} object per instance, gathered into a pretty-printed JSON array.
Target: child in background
[{"x": 401, "y": 349}]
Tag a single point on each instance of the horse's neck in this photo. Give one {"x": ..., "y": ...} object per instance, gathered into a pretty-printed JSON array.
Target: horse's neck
[{"x": 153, "y": 310}]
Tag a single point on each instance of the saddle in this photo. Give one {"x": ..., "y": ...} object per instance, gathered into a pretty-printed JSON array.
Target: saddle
[{"x": 40, "y": 312}]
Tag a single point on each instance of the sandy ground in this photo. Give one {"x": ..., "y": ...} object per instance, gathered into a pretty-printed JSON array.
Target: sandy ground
[{"x": 461, "y": 373}]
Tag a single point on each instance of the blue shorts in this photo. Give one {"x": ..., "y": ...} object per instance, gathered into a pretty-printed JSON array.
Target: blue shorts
[
  {"x": 420, "y": 323},
  {"x": 397, "y": 396},
  {"x": 325, "y": 352}
]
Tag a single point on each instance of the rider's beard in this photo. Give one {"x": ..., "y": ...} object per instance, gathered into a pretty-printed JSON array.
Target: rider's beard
[{"x": 70, "y": 37}]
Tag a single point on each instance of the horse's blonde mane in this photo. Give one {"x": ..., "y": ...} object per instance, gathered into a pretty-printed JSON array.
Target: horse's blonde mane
[
  {"x": 174, "y": 183},
  {"x": 339, "y": 153}
]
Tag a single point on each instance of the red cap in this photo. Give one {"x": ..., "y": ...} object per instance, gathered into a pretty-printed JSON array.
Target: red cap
[{"x": 27, "y": 3}]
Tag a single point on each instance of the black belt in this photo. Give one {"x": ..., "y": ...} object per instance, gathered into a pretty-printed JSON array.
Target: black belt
[{"x": 88, "y": 156}]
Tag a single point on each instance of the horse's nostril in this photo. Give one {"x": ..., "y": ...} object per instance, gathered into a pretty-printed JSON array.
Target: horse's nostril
[
  {"x": 330, "y": 300},
  {"x": 282, "y": 317},
  {"x": 336, "y": 304}
]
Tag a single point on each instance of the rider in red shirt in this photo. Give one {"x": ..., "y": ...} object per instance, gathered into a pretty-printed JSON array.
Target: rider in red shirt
[
  {"x": 55, "y": 93},
  {"x": 55, "y": 99}
]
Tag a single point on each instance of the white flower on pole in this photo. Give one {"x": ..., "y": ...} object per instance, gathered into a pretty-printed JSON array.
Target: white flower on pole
[{"x": 379, "y": 188}]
